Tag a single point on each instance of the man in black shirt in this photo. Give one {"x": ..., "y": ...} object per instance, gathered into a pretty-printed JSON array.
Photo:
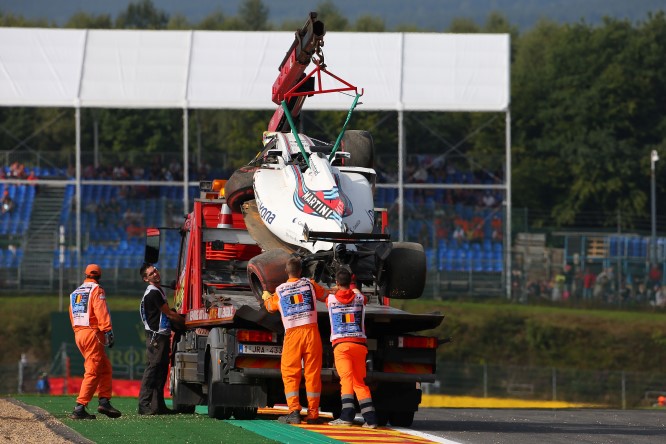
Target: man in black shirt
[{"x": 157, "y": 319}]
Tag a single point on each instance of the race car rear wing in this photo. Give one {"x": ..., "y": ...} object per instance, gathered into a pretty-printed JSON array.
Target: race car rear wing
[{"x": 343, "y": 238}]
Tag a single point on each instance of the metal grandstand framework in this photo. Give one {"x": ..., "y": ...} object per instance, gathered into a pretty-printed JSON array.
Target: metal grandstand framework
[{"x": 235, "y": 70}]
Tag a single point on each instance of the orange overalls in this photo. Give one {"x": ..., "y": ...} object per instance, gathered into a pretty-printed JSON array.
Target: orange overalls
[
  {"x": 90, "y": 319},
  {"x": 295, "y": 299},
  {"x": 346, "y": 309}
]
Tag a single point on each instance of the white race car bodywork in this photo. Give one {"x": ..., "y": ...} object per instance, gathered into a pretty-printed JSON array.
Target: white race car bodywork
[{"x": 321, "y": 197}]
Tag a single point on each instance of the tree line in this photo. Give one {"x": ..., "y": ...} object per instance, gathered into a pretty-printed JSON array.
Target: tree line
[{"x": 587, "y": 107}]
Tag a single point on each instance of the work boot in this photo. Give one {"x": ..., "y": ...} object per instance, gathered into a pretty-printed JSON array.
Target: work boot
[
  {"x": 166, "y": 411},
  {"x": 340, "y": 422},
  {"x": 315, "y": 421},
  {"x": 81, "y": 413},
  {"x": 293, "y": 417},
  {"x": 107, "y": 409}
]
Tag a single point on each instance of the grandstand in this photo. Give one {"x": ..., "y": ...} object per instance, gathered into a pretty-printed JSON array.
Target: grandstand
[{"x": 113, "y": 219}]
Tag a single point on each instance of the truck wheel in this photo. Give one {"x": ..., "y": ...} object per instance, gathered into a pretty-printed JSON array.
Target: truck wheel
[
  {"x": 382, "y": 418},
  {"x": 238, "y": 188},
  {"x": 404, "y": 271},
  {"x": 215, "y": 411},
  {"x": 176, "y": 387},
  {"x": 245, "y": 413},
  {"x": 266, "y": 271},
  {"x": 184, "y": 408},
  {"x": 401, "y": 419},
  {"x": 360, "y": 146}
]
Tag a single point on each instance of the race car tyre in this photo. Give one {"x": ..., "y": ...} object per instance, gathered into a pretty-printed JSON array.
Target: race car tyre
[
  {"x": 266, "y": 271},
  {"x": 238, "y": 188},
  {"x": 361, "y": 148},
  {"x": 404, "y": 271},
  {"x": 245, "y": 413},
  {"x": 215, "y": 411}
]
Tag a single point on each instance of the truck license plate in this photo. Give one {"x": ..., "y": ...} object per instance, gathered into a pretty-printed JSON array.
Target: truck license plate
[{"x": 251, "y": 349}]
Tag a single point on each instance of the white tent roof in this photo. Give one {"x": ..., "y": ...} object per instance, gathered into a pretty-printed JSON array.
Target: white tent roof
[{"x": 236, "y": 70}]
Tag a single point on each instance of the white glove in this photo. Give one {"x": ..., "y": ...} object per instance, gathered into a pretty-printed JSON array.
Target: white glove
[{"x": 266, "y": 295}]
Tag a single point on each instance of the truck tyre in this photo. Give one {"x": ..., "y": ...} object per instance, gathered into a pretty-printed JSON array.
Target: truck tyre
[
  {"x": 215, "y": 411},
  {"x": 360, "y": 146},
  {"x": 382, "y": 418},
  {"x": 401, "y": 419},
  {"x": 245, "y": 413},
  {"x": 238, "y": 188},
  {"x": 404, "y": 271},
  {"x": 176, "y": 387},
  {"x": 266, "y": 271}
]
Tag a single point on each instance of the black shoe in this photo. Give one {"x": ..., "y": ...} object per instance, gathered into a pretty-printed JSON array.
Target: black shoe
[
  {"x": 108, "y": 410},
  {"x": 315, "y": 421},
  {"x": 146, "y": 412},
  {"x": 292, "y": 418},
  {"x": 166, "y": 411},
  {"x": 81, "y": 414}
]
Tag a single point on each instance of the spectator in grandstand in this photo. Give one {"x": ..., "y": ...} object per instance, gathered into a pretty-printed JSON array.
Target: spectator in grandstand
[
  {"x": 120, "y": 173},
  {"x": 558, "y": 286},
  {"x": 17, "y": 170},
  {"x": 496, "y": 224},
  {"x": 475, "y": 233},
  {"x": 588, "y": 283},
  {"x": 654, "y": 277},
  {"x": 658, "y": 297},
  {"x": 8, "y": 204},
  {"x": 32, "y": 175},
  {"x": 624, "y": 293},
  {"x": 441, "y": 228},
  {"x": 568, "y": 281},
  {"x": 488, "y": 199},
  {"x": 641, "y": 293},
  {"x": 459, "y": 236},
  {"x": 602, "y": 285}
]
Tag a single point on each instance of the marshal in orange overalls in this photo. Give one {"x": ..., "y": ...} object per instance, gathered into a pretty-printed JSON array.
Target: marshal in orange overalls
[
  {"x": 296, "y": 301},
  {"x": 90, "y": 319}
]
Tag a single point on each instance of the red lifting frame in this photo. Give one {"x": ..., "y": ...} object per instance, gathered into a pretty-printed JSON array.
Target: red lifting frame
[{"x": 319, "y": 69}]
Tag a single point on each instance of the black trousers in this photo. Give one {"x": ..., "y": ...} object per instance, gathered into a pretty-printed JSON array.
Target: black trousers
[{"x": 151, "y": 395}]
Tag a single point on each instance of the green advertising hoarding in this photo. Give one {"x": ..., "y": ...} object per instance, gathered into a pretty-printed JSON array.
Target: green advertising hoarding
[{"x": 127, "y": 356}]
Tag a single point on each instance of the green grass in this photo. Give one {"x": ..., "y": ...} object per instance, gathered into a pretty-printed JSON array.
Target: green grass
[{"x": 133, "y": 428}]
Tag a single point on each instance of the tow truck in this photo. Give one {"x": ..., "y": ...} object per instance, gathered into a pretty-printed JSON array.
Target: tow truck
[{"x": 228, "y": 356}]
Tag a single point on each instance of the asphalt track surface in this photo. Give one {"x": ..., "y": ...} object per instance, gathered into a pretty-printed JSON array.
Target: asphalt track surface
[{"x": 520, "y": 426}]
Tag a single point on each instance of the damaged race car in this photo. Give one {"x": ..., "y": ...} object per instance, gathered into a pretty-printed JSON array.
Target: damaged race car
[{"x": 301, "y": 196}]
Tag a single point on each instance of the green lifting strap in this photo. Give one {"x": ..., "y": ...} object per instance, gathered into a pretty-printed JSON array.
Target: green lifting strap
[
  {"x": 344, "y": 128},
  {"x": 294, "y": 132}
]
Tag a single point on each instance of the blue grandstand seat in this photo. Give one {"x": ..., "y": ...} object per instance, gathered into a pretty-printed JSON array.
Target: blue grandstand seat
[
  {"x": 477, "y": 260},
  {"x": 461, "y": 260},
  {"x": 497, "y": 261},
  {"x": 488, "y": 258},
  {"x": 431, "y": 258}
]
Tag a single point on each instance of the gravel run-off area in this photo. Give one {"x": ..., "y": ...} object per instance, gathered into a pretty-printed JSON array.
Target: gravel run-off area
[{"x": 22, "y": 423}]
